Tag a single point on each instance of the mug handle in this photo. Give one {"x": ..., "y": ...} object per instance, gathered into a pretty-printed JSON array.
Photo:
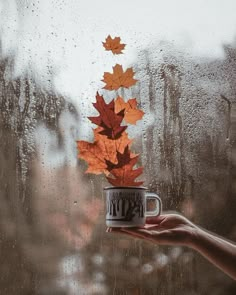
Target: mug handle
[{"x": 157, "y": 211}]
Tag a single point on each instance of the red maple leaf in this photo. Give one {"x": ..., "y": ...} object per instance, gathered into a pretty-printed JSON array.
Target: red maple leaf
[
  {"x": 108, "y": 119},
  {"x": 123, "y": 172}
]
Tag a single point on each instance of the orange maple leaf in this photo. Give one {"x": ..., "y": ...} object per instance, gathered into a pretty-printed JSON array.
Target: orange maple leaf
[
  {"x": 103, "y": 149},
  {"x": 110, "y": 147},
  {"x": 132, "y": 113},
  {"x": 114, "y": 45},
  {"x": 119, "y": 78},
  {"x": 92, "y": 154}
]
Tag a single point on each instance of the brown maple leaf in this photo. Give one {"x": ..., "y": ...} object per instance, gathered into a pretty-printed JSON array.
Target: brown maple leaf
[
  {"x": 108, "y": 119},
  {"x": 123, "y": 172},
  {"x": 132, "y": 113},
  {"x": 119, "y": 78},
  {"x": 113, "y": 45}
]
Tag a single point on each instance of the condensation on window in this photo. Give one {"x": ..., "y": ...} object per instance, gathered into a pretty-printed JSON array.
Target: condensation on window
[{"x": 52, "y": 217}]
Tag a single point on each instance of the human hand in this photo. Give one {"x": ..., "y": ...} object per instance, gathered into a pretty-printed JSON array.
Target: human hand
[
  {"x": 174, "y": 229},
  {"x": 166, "y": 229}
]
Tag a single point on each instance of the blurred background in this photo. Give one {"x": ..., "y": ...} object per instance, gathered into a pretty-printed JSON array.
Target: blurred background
[{"x": 53, "y": 236}]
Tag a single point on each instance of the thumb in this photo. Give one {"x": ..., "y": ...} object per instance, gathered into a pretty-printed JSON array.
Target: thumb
[{"x": 155, "y": 219}]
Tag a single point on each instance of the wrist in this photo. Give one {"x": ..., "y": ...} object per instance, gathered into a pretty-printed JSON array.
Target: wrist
[{"x": 195, "y": 237}]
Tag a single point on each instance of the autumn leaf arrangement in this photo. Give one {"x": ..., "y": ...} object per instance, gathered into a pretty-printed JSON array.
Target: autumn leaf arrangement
[{"x": 110, "y": 153}]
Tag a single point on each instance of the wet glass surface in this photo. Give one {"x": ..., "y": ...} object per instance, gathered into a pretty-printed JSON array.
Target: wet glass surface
[{"x": 52, "y": 215}]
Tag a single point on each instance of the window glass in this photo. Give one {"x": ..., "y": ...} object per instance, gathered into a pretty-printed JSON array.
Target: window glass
[{"x": 52, "y": 214}]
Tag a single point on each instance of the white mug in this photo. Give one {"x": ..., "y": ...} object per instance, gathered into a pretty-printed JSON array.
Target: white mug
[{"x": 126, "y": 206}]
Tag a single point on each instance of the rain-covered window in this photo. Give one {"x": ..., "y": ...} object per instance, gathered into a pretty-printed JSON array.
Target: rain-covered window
[{"x": 53, "y": 237}]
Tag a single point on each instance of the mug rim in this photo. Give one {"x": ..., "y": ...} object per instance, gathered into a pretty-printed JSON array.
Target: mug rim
[{"x": 125, "y": 187}]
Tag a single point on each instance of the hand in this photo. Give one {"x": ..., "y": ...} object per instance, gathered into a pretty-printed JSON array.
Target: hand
[
  {"x": 174, "y": 229},
  {"x": 166, "y": 229}
]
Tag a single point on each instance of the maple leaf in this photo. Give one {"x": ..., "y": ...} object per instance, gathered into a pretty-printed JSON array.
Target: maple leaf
[
  {"x": 113, "y": 45},
  {"x": 108, "y": 119},
  {"x": 110, "y": 147},
  {"x": 92, "y": 154},
  {"x": 123, "y": 172},
  {"x": 132, "y": 113},
  {"x": 100, "y": 152},
  {"x": 109, "y": 153},
  {"x": 119, "y": 78}
]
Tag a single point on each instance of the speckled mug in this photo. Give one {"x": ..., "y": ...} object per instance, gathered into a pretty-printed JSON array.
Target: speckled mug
[{"x": 126, "y": 206}]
